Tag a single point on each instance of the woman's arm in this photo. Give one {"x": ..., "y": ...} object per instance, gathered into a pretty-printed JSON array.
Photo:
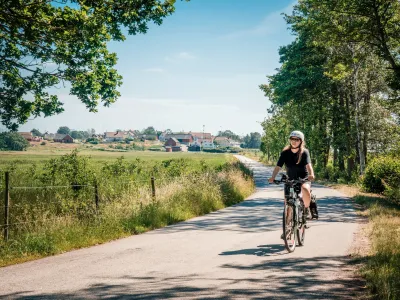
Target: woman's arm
[
  {"x": 274, "y": 173},
  {"x": 310, "y": 172}
]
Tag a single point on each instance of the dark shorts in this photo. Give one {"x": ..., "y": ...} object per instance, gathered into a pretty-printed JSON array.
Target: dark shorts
[{"x": 287, "y": 189}]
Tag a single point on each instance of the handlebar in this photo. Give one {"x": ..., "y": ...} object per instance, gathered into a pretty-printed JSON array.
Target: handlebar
[{"x": 294, "y": 181}]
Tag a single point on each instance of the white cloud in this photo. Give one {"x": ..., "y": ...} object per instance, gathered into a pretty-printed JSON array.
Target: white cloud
[
  {"x": 271, "y": 24},
  {"x": 154, "y": 70},
  {"x": 181, "y": 56},
  {"x": 186, "y": 55}
]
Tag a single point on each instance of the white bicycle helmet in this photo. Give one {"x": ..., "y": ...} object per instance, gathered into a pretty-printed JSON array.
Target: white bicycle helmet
[{"x": 297, "y": 134}]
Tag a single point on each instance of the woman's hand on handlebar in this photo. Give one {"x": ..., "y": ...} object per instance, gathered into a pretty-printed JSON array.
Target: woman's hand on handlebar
[{"x": 271, "y": 180}]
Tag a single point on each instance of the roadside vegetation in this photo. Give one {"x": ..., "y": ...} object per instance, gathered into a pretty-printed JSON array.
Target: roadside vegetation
[
  {"x": 53, "y": 202},
  {"x": 339, "y": 83},
  {"x": 376, "y": 193}
]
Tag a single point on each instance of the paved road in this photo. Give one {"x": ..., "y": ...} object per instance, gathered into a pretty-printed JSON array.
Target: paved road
[{"x": 234, "y": 253}]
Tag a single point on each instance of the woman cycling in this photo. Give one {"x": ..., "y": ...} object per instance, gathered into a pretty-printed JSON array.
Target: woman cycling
[{"x": 297, "y": 160}]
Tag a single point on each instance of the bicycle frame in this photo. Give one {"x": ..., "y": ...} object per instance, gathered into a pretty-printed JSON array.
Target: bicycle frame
[{"x": 293, "y": 228}]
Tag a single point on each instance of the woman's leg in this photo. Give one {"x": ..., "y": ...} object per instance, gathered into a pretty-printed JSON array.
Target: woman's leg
[{"x": 306, "y": 190}]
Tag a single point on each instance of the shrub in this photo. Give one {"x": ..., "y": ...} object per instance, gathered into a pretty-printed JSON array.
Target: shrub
[
  {"x": 43, "y": 143},
  {"x": 383, "y": 176},
  {"x": 92, "y": 140},
  {"x": 12, "y": 141}
]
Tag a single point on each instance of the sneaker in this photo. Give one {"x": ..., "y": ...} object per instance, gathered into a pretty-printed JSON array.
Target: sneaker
[
  {"x": 314, "y": 210},
  {"x": 314, "y": 213}
]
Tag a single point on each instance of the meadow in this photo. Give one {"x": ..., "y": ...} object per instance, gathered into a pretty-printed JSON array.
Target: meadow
[{"x": 67, "y": 198}]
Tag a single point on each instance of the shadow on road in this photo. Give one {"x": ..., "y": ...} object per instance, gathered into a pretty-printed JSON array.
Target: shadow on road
[
  {"x": 262, "y": 250},
  {"x": 296, "y": 278}
]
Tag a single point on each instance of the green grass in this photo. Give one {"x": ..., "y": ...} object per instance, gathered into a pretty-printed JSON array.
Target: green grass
[{"x": 29, "y": 157}]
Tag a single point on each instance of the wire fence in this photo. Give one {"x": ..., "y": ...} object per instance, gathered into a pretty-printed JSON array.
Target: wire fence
[{"x": 8, "y": 206}]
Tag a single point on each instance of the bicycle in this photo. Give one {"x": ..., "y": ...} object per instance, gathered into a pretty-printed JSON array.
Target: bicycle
[{"x": 294, "y": 214}]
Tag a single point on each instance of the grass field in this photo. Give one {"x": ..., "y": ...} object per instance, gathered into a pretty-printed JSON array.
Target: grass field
[{"x": 40, "y": 154}]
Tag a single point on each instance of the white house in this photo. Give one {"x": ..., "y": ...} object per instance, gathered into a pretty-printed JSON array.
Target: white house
[
  {"x": 235, "y": 144},
  {"x": 208, "y": 145},
  {"x": 113, "y": 136},
  {"x": 222, "y": 141}
]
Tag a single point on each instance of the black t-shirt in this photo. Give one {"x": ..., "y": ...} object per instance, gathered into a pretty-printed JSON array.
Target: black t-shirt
[{"x": 290, "y": 159}]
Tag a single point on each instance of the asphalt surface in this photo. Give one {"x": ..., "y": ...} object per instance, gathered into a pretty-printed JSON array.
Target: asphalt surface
[{"x": 234, "y": 253}]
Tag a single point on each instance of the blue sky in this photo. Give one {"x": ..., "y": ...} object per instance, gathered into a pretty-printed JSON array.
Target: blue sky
[{"x": 202, "y": 66}]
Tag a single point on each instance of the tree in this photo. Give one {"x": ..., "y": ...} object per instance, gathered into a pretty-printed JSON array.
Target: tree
[
  {"x": 229, "y": 134},
  {"x": 12, "y": 141},
  {"x": 36, "y": 132},
  {"x": 149, "y": 130},
  {"x": 77, "y": 135},
  {"x": 45, "y": 43},
  {"x": 90, "y": 132},
  {"x": 371, "y": 24},
  {"x": 64, "y": 130},
  {"x": 333, "y": 90},
  {"x": 252, "y": 141}
]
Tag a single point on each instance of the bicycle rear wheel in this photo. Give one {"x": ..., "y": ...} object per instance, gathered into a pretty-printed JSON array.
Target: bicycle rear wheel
[{"x": 289, "y": 232}]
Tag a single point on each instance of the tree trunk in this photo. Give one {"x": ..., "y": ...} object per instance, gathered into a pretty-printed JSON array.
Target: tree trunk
[
  {"x": 360, "y": 147},
  {"x": 350, "y": 160}
]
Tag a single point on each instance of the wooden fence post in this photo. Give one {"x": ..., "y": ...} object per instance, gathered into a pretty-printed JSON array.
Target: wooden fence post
[
  {"x": 6, "y": 205},
  {"x": 96, "y": 195},
  {"x": 153, "y": 188}
]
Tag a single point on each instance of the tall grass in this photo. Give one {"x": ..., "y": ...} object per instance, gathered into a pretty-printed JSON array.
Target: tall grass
[
  {"x": 382, "y": 268},
  {"x": 54, "y": 220}
]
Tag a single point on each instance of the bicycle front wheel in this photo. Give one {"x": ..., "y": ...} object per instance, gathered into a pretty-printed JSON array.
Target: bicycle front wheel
[
  {"x": 301, "y": 228},
  {"x": 289, "y": 232}
]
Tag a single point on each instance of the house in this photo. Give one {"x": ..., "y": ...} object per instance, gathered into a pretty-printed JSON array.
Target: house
[
  {"x": 222, "y": 141},
  {"x": 201, "y": 136},
  {"x": 172, "y": 142},
  {"x": 49, "y": 136},
  {"x": 114, "y": 136},
  {"x": 63, "y": 138},
  {"x": 235, "y": 144},
  {"x": 208, "y": 145},
  {"x": 129, "y": 134},
  {"x": 183, "y": 138},
  {"x": 26, "y": 135},
  {"x": 37, "y": 139},
  {"x": 162, "y": 136}
]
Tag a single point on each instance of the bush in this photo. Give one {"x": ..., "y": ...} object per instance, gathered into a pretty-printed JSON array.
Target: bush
[
  {"x": 43, "y": 143},
  {"x": 12, "y": 141},
  {"x": 383, "y": 176},
  {"x": 92, "y": 140},
  {"x": 214, "y": 150}
]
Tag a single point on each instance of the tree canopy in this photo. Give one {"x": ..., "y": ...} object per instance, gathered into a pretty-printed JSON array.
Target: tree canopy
[
  {"x": 229, "y": 134},
  {"x": 335, "y": 85},
  {"x": 64, "y": 130},
  {"x": 36, "y": 132},
  {"x": 252, "y": 140},
  {"x": 371, "y": 24},
  {"x": 46, "y": 43}
]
